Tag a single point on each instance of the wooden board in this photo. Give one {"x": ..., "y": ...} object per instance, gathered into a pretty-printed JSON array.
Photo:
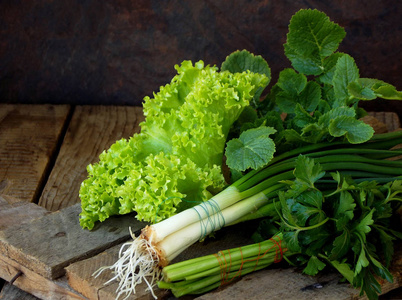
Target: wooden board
[
  {"x": 48, "y": 244},
  {"x": 290, "y": 283},
  {"x": 80, "y": 273},
  {"x": 91, "y": 131},
  {"x": 35, "y": 284},
  {"x": 13, "y": 211},
  {"x": 28, "y": 140},
  {"x": 45, "y": 245},
  {"x": 11, "y": 292}
]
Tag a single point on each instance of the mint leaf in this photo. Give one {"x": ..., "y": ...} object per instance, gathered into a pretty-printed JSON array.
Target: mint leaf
[
  {"x": 253, "y": 149},
  {"x": 354, "y": 130},
  {"x": 334, "y": 113},
  {"x": 302, "y": 118},
  {"x": 329, "y": 68},
  {"x": 314, "y": 265},
  {"x": 241, "y": 61},
  {"x": 346, "y": 72},
  {"x": 311, "y": 38},
  {"x": 310, "y": 96},
  {"x": 361, "y": 92},
  {"x": 304, "y": 63},
  {"x": 291, "y": 82},
  {"x": 369, "y": 89},
  {"x": 388, "y": 92}
]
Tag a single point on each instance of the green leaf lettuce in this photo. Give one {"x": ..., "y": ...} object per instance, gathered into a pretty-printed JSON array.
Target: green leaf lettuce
[{"x": 178, "y": 153}]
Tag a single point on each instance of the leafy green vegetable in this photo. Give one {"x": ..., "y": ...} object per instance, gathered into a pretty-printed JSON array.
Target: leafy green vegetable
[
  {"x": 312, "y": 37},
  {"x": 351, "y": 233},
  {"x": 326, "y": 218},
  {"x": 253, "y": 149},
  {"x": 178, "y": 153},
  {"x": 334, "y": 200},
  {"x": 317, "y": 100}
]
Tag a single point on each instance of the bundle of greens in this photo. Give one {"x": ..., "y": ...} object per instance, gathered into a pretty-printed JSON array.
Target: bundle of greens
[
  {"x": 312, "y": 111},
  {"x": 178, "y": 153},
  {"x": 339, "y": 221}
]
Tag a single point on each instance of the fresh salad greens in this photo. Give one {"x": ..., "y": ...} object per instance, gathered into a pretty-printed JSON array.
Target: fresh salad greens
[
  {"x": 299, "y": 156},
  {"x": 336, "y": 201},
  {"x": 337, "y": 222},
  {"x": 316, "y": 100},
  {"x": 178, "y": 153}
]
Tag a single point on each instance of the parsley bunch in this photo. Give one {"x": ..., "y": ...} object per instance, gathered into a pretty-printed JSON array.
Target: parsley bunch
[{"x": 344, "y": 223}]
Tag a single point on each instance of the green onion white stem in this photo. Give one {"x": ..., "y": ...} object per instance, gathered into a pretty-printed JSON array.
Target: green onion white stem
[{"x": 247, "y": 198}]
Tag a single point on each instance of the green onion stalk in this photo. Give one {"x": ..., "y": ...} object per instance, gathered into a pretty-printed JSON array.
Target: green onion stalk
[
  {"x": 202, "y": 274},
  {"x": 250, "y": 197}
]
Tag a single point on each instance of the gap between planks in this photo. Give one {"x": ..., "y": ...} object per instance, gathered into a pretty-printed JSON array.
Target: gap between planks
[
  {"x": 92, "y": 130},
  {"x": 28, "y": 138}
]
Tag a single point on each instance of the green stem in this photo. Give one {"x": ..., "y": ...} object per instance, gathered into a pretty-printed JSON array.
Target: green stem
[{"x": 186, "y": 268}]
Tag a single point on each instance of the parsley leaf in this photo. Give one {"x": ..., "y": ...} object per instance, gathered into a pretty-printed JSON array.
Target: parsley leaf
[{"x": 314, "y": 265}]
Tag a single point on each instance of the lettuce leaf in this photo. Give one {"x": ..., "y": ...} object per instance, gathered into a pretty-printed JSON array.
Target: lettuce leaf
[{"x": 178, "y": 153}]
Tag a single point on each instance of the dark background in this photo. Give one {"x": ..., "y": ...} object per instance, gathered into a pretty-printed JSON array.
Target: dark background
[{"x": 117, "y": 52}]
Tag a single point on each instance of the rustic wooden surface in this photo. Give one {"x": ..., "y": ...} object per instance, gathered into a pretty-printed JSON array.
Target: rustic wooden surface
[
  {"x": 29, "y": 137},
  {"x": 62, "y": 142},
  {"x": 92, "y": 130},
  {"x": 48, "y": 244}
]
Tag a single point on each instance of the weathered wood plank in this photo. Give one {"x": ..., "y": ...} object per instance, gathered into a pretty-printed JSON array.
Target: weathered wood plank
[
  {"x": 36, "y": 284},
  {"x": 290, "y": 283},
  {"x": 13, "y": 211},
  {"x": 48, "y": 244},
  {"x": 28, "y": 138},
  {"x": 11, "y": 292},
  {"x": 390, "y": 119},
  {"x": 80, "y": 273},
  {"x": 80, "y": 278},
  {"x": 92, "y": 130}
]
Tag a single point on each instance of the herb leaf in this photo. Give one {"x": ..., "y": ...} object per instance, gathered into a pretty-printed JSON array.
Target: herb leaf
[
  {"x": 314, "y": 265},
  {"x": 242, "y": 61},
  {"x": 354, "y": 130},
  {"x": 253, "y": 149},
  {"x": 345, "y": 72},
  {"x": 311, "y": 38}
]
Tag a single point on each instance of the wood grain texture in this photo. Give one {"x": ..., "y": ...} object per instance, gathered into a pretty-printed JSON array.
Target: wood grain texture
[
  {"x": 80, "y": 273},
  {"x": 80, "y": 278},
  {"x": 290, "y": 283},
  {"x": 28, "y": 138},
  {"x": 11, "y": 292},
  {"x": 91, "y": 131},
  {"x": 13, "y": 211},
  {"x": 48, "y": 244},
  {"x": 389, "y": 119},
  {"x": 36, "y": 284}
]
